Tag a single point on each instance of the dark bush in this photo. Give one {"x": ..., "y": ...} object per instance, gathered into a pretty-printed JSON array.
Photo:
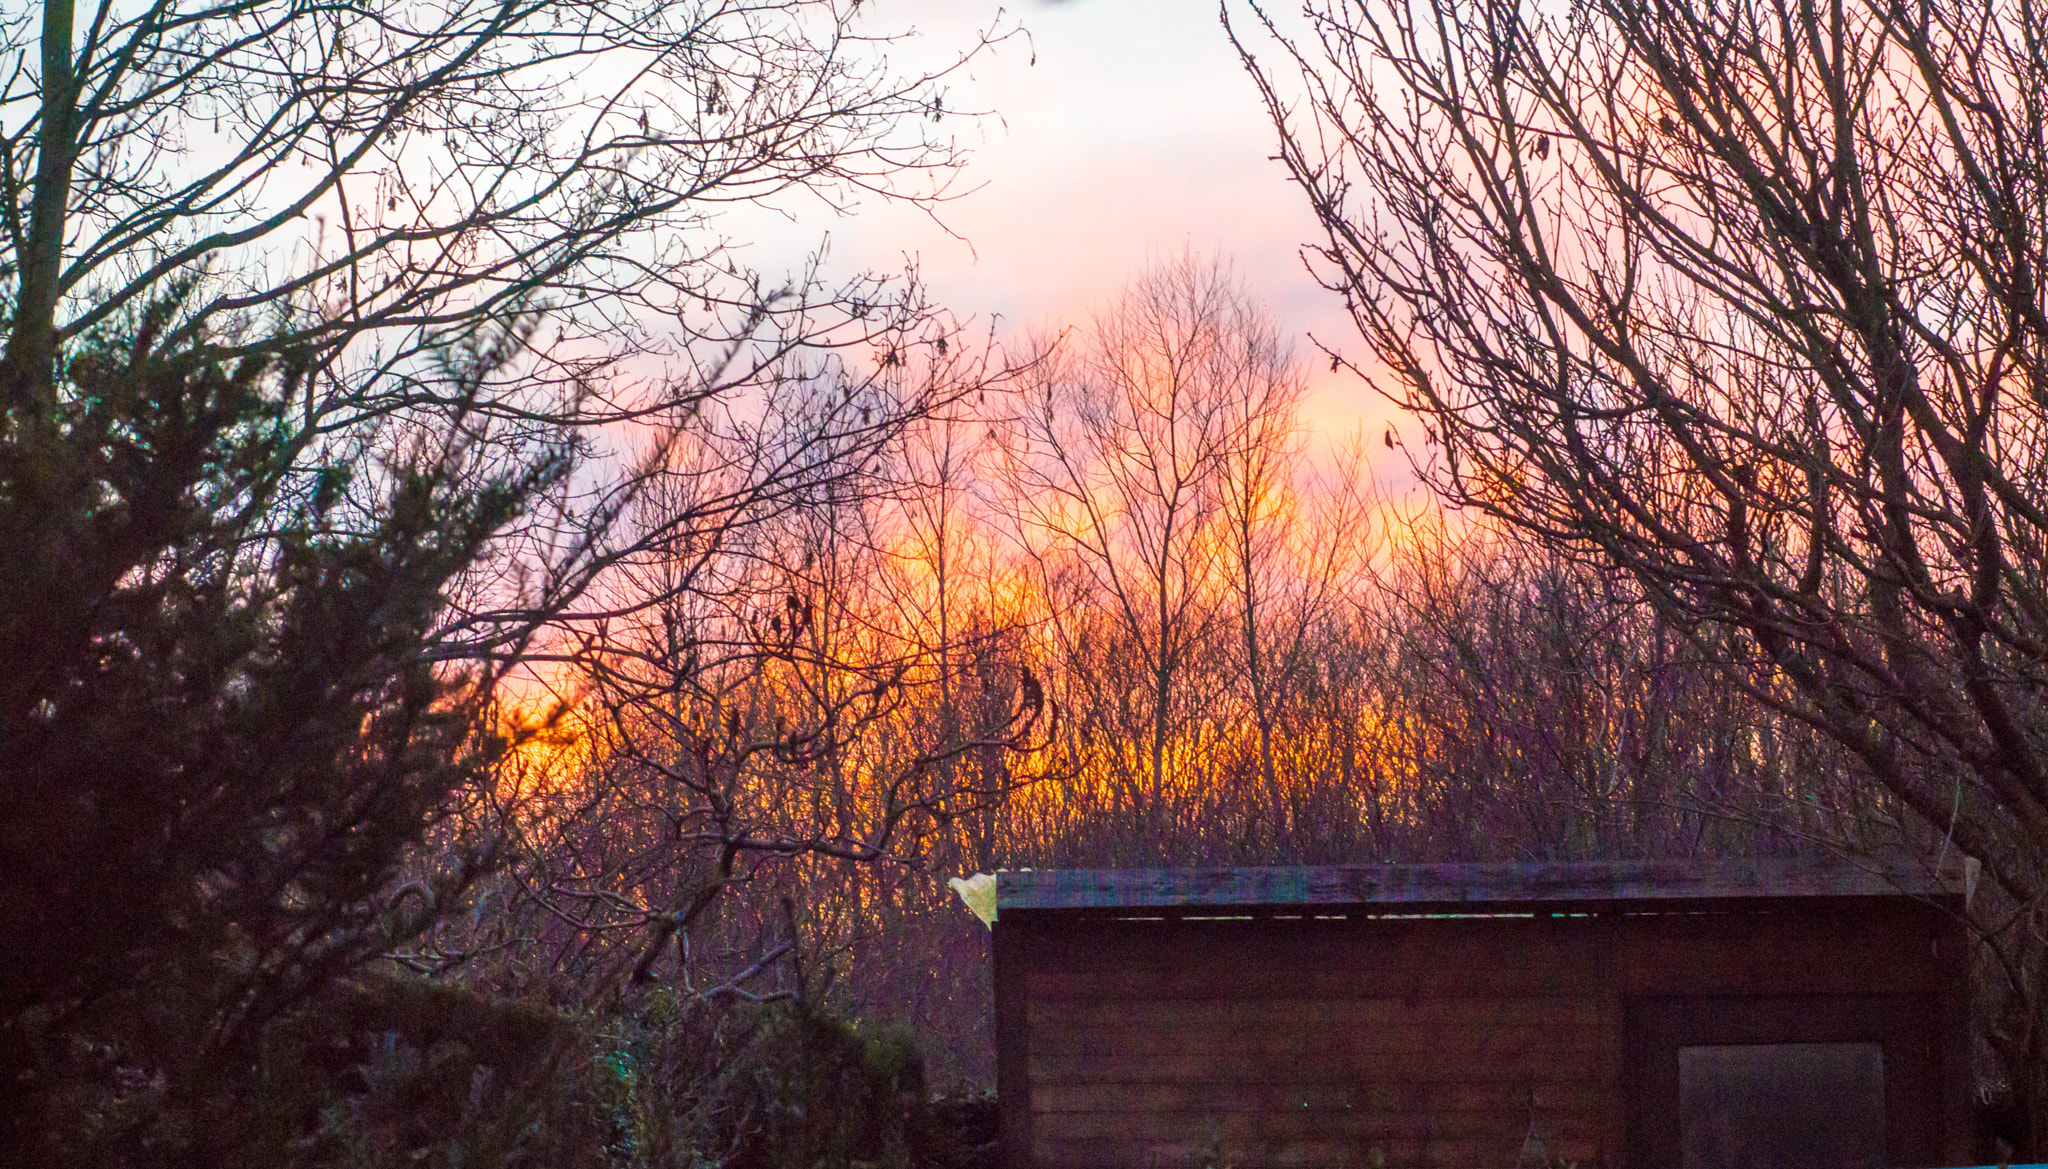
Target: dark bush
[
  {"x": 377, "y": 1071},
  {"x": 776, "y": 1086},
  {"x": 814, "y": 1092},
  {"x": 959, "y": 1132}
]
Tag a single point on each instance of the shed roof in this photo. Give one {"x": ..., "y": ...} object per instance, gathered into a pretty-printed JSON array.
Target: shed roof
[{"x": 1399, "y": 888}]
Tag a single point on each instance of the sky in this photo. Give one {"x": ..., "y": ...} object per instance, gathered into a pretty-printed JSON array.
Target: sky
[{"x": 1122, "y": 131}]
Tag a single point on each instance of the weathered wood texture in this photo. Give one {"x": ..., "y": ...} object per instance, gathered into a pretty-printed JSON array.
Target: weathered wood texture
[
  {"x": 1388, "y": 887},
  {"x": 1416, "y": 1043}
]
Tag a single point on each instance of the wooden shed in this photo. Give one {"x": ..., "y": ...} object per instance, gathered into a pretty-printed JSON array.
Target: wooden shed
[{"x": 1634, "y": 1015}]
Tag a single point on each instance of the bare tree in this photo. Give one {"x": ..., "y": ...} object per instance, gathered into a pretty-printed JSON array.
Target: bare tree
[
  {"x": 368, "y": 187},
  {"x": 947, "y": 583},
  {"x": 392, "y": 174},
  {"x": 1743, "y": 299},
  {"x": 1258, "y": 510},
  {"x": 1301, "y": 535},
  {"x": 1117, "y": 469},
  {"x": 757, "y": 698}
]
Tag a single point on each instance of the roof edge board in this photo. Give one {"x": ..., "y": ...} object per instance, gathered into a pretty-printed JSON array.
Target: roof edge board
[{"x": 1550, "y": 883}]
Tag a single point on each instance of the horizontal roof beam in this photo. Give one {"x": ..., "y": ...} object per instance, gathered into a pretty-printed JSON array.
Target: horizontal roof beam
[{"x": 1548, "y": 883}]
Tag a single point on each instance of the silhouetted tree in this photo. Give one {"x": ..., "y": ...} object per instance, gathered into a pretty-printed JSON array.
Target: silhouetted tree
[
  {"x": 226, "y": 728},
  {"x": 1744, "y": 300},
  {"x": 1120, "y": 464}
]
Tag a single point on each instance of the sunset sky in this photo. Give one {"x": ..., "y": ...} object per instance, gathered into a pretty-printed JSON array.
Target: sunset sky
[{"x": 1134, "y": 134}]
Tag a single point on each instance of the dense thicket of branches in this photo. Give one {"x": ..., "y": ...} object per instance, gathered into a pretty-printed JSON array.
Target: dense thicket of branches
[
  {"x": 394, "y": 174},
  {"x": 356, "y": 355},
  {"x": 1344, "y": 677},
  {"x": 1743, "y": 300},
  {"x": 374, "y": 186}
]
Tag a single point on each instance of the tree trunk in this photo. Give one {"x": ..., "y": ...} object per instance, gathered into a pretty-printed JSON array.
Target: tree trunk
[{"x": 32, "y": 340}]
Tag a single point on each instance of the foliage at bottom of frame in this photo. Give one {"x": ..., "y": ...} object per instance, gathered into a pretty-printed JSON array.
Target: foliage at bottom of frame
[{"x": 388, "y": 1071}]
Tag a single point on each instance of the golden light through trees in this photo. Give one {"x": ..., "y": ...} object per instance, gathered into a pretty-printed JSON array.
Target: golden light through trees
[{"x": 1110, "y": 608}]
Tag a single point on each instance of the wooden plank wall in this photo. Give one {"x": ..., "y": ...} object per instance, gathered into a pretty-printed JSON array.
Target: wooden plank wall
[{"x": 1380, "y": 1044}]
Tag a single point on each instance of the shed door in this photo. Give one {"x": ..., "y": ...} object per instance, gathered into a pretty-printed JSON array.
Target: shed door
[
  {"x": 1783, "y": 1082},
  {"x": 1781, "y": 1106}
]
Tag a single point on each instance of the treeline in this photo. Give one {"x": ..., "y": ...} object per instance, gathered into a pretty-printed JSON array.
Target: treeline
[
  {"x": 1122, "y": 609},
  {"x": 678, "y": 894}
]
